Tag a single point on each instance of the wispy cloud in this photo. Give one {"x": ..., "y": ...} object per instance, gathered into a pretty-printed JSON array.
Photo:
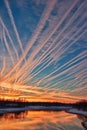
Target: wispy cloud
[{"x": 53, "y": 60}]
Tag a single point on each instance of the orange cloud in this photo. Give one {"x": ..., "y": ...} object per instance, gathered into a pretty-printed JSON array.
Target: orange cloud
[{"x": 34, "y": 93}]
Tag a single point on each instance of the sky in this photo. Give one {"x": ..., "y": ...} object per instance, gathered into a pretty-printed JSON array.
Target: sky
[{"x": 43, "y": 50}]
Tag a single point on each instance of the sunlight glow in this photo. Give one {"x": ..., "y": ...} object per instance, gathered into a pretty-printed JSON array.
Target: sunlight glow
[{"x": 43, "y": 54}]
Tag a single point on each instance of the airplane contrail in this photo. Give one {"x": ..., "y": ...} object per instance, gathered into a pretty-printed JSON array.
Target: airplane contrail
[
  {"x": 8, "y": 48},
  {"x": 41, "y": 24},
  {"x": 14, "y": 26},
  {"x": 47, "y": 51},
  {"x": 54, "y": 29},
  {"x": 8, "y": 34}
]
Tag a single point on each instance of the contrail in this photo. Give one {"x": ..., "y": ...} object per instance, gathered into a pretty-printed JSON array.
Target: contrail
[
  {"x": 7, "y": 46},
  {"x": 37, "y": 50},
  {"x": 53, "y": 31},
  {"x": 41, "y": 59},
  {"x": 79, "y": 89},
  {"x": 27, "y": 77},
  {"x": 69, "y": 63},
  {"x": 54, "y": 39},
  {"x": 66, "y": 79},
  {"x": 81, "y": 80},
  {"x": 53, "y": 77},
  {"x": 68, "y": 70},
  {"x": 74, "y": 72},
  {"x": 48, "y": 52},
  {"x": 13, "y": 23},
  {"x": 3, "y": 66},
  {"x": 68, "y": 46},
  {"x": 12, "y": 43},
  {"x": 75, "y": 82},
  {"x": 41, "y": 24},
  {"x": 65, "y": 27},
  {"x": 70, "y": 76}
]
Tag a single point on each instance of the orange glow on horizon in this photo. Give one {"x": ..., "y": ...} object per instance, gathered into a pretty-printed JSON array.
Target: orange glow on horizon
[{"x": 35, "y": 94}]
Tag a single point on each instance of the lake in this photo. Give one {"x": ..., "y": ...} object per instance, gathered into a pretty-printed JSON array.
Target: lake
[{"x": 42, "y": 120}]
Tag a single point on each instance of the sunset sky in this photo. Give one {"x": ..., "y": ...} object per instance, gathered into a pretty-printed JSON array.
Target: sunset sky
[{"x": 43, "y": 50}]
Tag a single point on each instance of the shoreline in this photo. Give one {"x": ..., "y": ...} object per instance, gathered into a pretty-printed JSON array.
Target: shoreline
[
  {"x": 77, "y": 111},
  {"x": 18, "y": 106},
  {"x": 44, "y": 108}
]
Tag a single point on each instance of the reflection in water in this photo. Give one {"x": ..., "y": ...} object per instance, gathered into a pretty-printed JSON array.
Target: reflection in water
[
  {"x": 41, "y": 120},
  {"x": 12, "y": 116},
  {"x": 84, "y": 120}
]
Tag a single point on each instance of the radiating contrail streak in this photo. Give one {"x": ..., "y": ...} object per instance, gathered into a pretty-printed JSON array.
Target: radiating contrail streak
[
  {"x": 55, "y": 28},
  {"x": 48, "y": 50},
  {"x": 55, "y": 45},
  {"x": 13, "y": 23},
  {"x": 60, "y": 42},
  {"x": 67, "y": 78},
  {"x": 12, "y": 43},
  {"x": 36, "y": 52},
  {"x": 26, "y": 77},
  {"x": 75, "y": 83},
  {"x": 69, "y": 44},
  {"x": 65, "y": 27},
  {"x": 70, "y": 75},
  {"x": 3, "y": 66},
  {"x": 79, "y": 89},
  {"x": 8, "y": 48},
  {"x": 74, "y": 68},
  {"x": 37, "y": 32},
  {"x": 53, "y": 77},
  {"x": 41, "y": 24},
  {"x": 71, "y": 62},
  {"x": 82, "y": 79},
  {"x": 58, "y": 25}
]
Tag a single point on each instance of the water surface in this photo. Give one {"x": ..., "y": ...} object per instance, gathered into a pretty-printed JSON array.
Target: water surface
[{"x": 41, "y": 120}]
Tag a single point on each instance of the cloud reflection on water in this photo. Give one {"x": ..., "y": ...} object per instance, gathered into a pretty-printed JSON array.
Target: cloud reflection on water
[{"x": 41, "y": 120}]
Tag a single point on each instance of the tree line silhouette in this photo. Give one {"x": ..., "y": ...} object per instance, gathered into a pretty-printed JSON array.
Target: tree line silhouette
[{"x": 18, "y": 103}]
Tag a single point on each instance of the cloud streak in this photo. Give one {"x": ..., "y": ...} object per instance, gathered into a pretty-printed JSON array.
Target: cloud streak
[{"x": 53, "y": 60}]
